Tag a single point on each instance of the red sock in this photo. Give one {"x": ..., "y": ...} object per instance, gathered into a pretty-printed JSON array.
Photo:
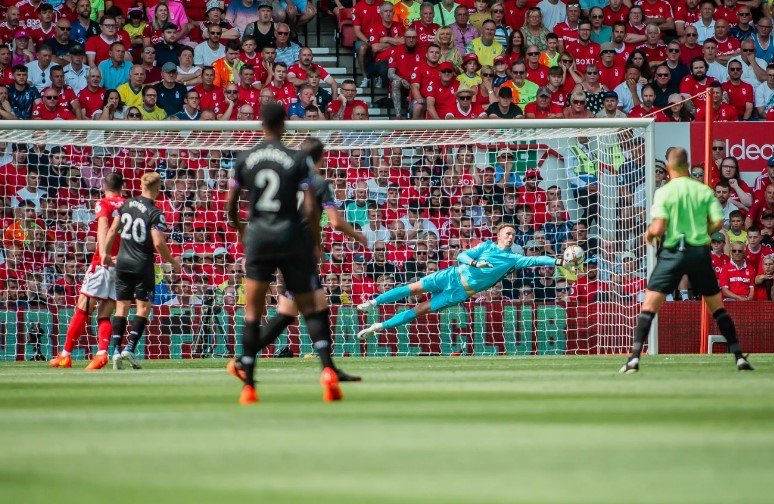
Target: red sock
[
  {"x": 76, "y": 329},
  {"x": 104, "y": 328}
]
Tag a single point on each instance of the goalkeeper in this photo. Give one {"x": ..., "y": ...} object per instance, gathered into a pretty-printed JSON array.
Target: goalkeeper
[{"x": 479, "y": 269}]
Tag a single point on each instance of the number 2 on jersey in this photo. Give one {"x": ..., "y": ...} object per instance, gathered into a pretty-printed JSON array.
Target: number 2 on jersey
[
  {"x": 269, "y": 182},
  {"x": 133, "y": 229}
]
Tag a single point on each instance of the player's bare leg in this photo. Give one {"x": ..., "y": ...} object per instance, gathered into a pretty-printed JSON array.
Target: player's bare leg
[
  {"x": 287, "y": 312},
  {"x": 391, "y": 296},
  {"x": 104, "y": 330},
  {"x": 243, "y": 366}
]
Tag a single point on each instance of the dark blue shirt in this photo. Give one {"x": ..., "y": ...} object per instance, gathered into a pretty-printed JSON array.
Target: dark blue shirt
[
  {"x": 22, "y": 101},
  {"x": 171, "y": 100}
]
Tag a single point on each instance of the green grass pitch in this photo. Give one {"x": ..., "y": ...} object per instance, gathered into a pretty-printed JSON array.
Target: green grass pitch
[{"x": 687, "y": 429}]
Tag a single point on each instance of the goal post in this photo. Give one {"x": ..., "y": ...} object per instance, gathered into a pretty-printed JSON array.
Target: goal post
[{"x": 421, "y": 191}]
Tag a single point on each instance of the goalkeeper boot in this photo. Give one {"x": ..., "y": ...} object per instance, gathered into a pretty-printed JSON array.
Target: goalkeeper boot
[
  {"x": 632, "y": 366},
  {"x": 742, "y": 364},
  {"x": 63, "y": 361},
  {"x": 370, "y": 331},
  {"x": 131, "y": 359},
  {"x": 97, "y": 362},
  {"x": 330, "y": 384},
  {"x": 366, "y": 306},
  {"x": 248, "y": 395},
  {"x": 344, "y": 377},
  {"x": 234, "y": 368}
]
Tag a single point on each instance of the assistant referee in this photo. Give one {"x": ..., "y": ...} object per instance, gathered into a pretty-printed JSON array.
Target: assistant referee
[{"x": 685, "y": 213}]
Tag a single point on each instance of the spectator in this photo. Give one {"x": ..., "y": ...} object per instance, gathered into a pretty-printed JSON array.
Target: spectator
[
  {"x": 284, "y": 91},
  {"x": 61, "y": 44},
  {"x": 610, "y": 108},
  {"x": 741, "y": 95},
  {"x": 441, "y": 96},
  {"x": 287, "y": 51},
  {"x": 168, "y": 50},
  {"x": 504, "y": 108},
  {"x": 115, "y": 70},
  {"x": 40, "y": 70},
  {"x": 190, "y": 110},
  {"x": 567, "y": 30},
  {"x": 515, "y": 49},
  {"x": 403, "y": 59},
  {"x": 75, "y": 72},
  {"x": 485, "y": 47},
  {"x": 736, "y": 229},
  {"x": 727, "y": 47},
  {"x": 764, "y": 94},
  {"x": 544, "y": 285},
  {"x": 764, "y": 40},
  {"x": 764, "y": 281},
  {"x": 524, "y": 91},
  {"x": 240, "y": 13},
  {"x": 722, "y": 192},
  {"x": 677, "y": 112},
  {"x": 764, "y": 180},
  {"x": 264, "y": 70},
  {"x": 211, "y": 97},
  {"x": 719, "y": 258},
  {"x": 414, "y": 224},
  {"x": 149, "y": 110},
  {"x": 677, "y": 69},
  {"x": 227, "y": 68},
  {"x": 760, "y": 208},
  {"x": 31, "y": 192},
  {"x": 379, "y": 264},
  {"x": 444, "y": 38},
  {"x": 23, "y": 96},
  {"x": 591, "y": 87},
  {"x": 322, "y": 96},
  {"x": 577, "y": 108},
  {"x": 375, "y": 230},
  {"x": 600, "y": 32},
  {"x": 584, "y": 50},
  {"x": 211, "y": 49},
  {"x": 424, "y": 74},
  {"x": 705, "y": 25},
  {"x": 542, "y": 108},
  {"x": 611, "y": 72},
  {"x": 646, "y": 107},
  {"x": 465, "y": 107},
  {"x": 50, "y": 109},
  {"x": 629, "y": 91},
  {"x": 721, "y": 111},
  {"x": 171, "y": 93},
  {"x": 755, "y": 250},
  {"x": 262, "y": 29},
  {"x": 536, "y": 72},
  {"x": 98, "y": 48},
  {"x": 298, "y": 72},
  {"x": 696, "y": 83},
  {"x": 715, "y": 69},
  {"x": 131, "y": 91},
  {"x": 663, "y": 86},
  {"x": 91, "y": 98},
  {"x": 639, "y": 59},
  {"x": 557, "y": 228},
  {"x": 23, "y": 49},
  {"x": 737, "y": 278},
  {"x": 148, "y": 63},
  {"x": 691, "y": 48}
]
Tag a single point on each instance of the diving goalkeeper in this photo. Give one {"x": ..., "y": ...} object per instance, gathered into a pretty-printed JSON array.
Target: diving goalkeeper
[{"x": 479, "y": 269}]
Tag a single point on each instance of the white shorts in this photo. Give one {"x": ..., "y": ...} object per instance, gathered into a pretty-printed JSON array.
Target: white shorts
[{"x": 100, "y": 283}]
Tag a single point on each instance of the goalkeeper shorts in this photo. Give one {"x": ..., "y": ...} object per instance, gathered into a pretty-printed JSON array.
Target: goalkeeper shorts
[{"x": 446, "y": 288}]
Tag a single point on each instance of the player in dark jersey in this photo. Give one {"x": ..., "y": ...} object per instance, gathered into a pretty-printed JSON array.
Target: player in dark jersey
[
  {"x": 141, "y": 225},
  {"x": 99, "y": 284},
  {"x": 287, "y": 311},
  {"x": 276, "y": 237}
]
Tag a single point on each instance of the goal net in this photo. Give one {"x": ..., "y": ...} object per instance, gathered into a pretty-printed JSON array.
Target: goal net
[{"x": 420, "y": 191}]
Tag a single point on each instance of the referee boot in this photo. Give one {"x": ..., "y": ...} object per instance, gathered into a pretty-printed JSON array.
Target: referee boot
[
  {"x": 742, "y": 364},
  {"x": 632, "y": 366}
]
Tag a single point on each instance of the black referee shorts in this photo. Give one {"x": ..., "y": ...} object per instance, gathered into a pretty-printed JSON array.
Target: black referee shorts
[
  {"x": 672, "y": 264},
  {"x": 131, "y": 285}
]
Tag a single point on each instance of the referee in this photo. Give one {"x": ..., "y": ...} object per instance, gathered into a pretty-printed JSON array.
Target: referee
[{"x": 685, "y": 214}]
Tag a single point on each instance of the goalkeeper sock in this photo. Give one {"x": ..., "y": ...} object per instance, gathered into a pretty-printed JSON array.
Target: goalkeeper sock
[
  {"x": 103, "y": 334},
  {"x": 119, "y": 328},
  {"x": 319, "y": 326},
  {"x": 135, "y": 333},
  {"x": 644, "y": 321},
  {"x": 273, "y": 328},
  {"x": 393, "y": 295},
  {"x": 728, "y": 330},
  {"x": 401, "y": 318},
  {"x": 75, "y": 330},
  {"x": 250, "y": 349}
]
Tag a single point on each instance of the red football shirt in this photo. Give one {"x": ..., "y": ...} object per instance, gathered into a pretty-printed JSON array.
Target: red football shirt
[
  {"x": 656, "y": 9},
  {"x": 553, "y": 108},
  {"x": 445, "y": 100},
  {"x": 584, "y": 54},
  {"x": 739, "y": 96},
  {"x": 658, "y": 53},
  {"x": 718, "y": 261},
  {"x": 754, "y": 258},
  {"x": 538, "y": 75},
  {"x": 728, "y": 47},
  {"x": 425, "y": 34},
  {"x": 284, "y": 94},
  {"x": 335, "y": 106},
  {"x": 423, "y": 75},
  {"x": 692, "y": 87},
  {"x": 108, "y": 208},
  {"x": 726, "y": 113},
  {"x": 612, "y": 76},
  {"x": 365, "y": 14},
  {"x": 565, "y": 33},
  {"x": 212, "y": 100},
  {"x": 58, "y": 114},
  {"x": 612, "y": 17},
  {"x": 91, "y": 101},
  {"x": 404, "y": 62},
  {"x": 639, "y": 111},
  {"x": 737, "y": 279},
  {"x": 297, "y": 71}
]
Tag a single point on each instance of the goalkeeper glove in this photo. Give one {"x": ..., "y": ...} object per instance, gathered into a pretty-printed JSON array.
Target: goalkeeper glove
[
  {"x": 481, "y": 264},
  {"x": 571, "y": 266}
]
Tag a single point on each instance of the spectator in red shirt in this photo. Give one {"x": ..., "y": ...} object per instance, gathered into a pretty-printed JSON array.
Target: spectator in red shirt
[
  {"x": 762, "y": 207},
  {"x": 49, "y": 109},
  {"x": 611, "y": 72},
  {"x": 403, "y": 59},
  {"x": 728, "y": 47},
  {"x": 737, "y": 277},
  {"x": 658, "y": 12},
  {"x": 764, "y": 180},
  {"x": 717, "y": 253},
  {"x": 615, "y": 12},
  {"x": 91, "y": 98},
  {"x": 465, "y": 108},
  {"x": 566, "y": 30},
  {"x": 585, "y": 51},
  {"x": 343, "y": 107},
  {"x": 424, "y": 73},
  {"x": 764, "y": 281},
  {"x": 755, "y": 250},
  {"x": 364, "y": 14},
  {"x": 98, "y": 48},
  {"x": 297, "y": 73},
  {"x": 542, "y": 108},
  {"x": 44, "y": 27},
  {"x": 655, "y": 50},
  {"x": 722, "y": 111},
  {"x": 697, "y": 82},
  {"x": 646, "y": 107},
  {"x": 441, "y": 94},
  {"x": 284, "y": 91},
  {"x": 536, "y": 72},
  {"x": 740, "y": 94}
]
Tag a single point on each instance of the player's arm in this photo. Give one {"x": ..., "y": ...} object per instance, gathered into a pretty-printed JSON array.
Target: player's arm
[
  {"x": 312, "y": 213},
  {"x": 656, "y": 230},
  {"x": 160, "y": 242},
  {"x": 232, "y": 208},
  {"x": 106, "y": 245},
  {"x": 339, "y": 223},
  {"x": 471, "y": 257}
]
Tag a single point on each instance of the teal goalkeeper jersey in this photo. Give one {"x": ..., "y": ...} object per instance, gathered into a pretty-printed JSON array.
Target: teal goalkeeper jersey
[{"x": 502, "y": 261}]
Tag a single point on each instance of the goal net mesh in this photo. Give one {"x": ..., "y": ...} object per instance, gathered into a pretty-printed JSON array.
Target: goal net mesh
[{"x": 420, "y": 196}]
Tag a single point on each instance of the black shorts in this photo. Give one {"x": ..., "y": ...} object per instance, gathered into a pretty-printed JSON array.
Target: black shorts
[
  {"x": 283, "y": 289},
  {"x": 299, "y": 270},
  {"x": 695, "y": 262},
  {"x": 131, "y": 285}
]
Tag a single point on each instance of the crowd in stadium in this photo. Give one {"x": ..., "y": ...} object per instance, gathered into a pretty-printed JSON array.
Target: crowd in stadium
[{"x": 198, "y": 60}]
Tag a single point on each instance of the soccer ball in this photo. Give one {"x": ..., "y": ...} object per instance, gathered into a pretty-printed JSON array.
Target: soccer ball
[{"x": 573, "y": 254}]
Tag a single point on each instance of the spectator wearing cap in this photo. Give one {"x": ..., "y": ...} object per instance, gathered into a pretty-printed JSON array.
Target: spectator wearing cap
[
  {"x": 717, "y": 253},
  {"x": 262, "y": 30},
  {"x": 542, "y": 107},
  {"x": 135, "y": 26},
  {"x": 171, "y": 93},
  {"x": 441, "y": 95},
  {"x": 75, "y": 71},
  {"x": 524, "y": 91},
  {"x": 500, "y": 71},
  {"x": 611, "y": 71},
  {"x": 505, "y": 169},
  {"x": 610, "y": 108},
  {"x": 168, "y": 50},
  {"x": 465, "y": 108},
  {"x": 23, "y": 50},
  {"x": 115, "y": 70},
  {"x": 61, "y": 44},
  {"x": 531, "y": 194},
  {"x": 504, "y": 108},
  {"x": 22, "y": 95},
  {"x": 214, "y": 16},
  {"x": 485, "y": 46},
  {"x": 764, "y": 180}
]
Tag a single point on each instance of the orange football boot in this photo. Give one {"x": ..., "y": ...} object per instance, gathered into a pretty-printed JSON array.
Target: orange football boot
[
  {"x": 62, "y": 361},
  {"x": 235, "y": 370},
  {"x": 248, "y": 395},
  {"x": 97, "y": 362},
  {"x": 330, "y": 384}
]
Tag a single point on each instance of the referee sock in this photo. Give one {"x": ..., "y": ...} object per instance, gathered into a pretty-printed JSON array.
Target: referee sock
[
  {"x": 273, "y": 328},
  {"x": 135, "y": 333},
  {"x": 644, "y": 321},
  {"x": 401, "y": 318},
  {"x": 728, "y": 330},
  {"x": 393, "y": 295},
  {"x": 250, "y": 349},
  {"x": 119, "y": 328},
  {"x": 76, "y": 329},
  {"x": 319, "y": 326}
]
